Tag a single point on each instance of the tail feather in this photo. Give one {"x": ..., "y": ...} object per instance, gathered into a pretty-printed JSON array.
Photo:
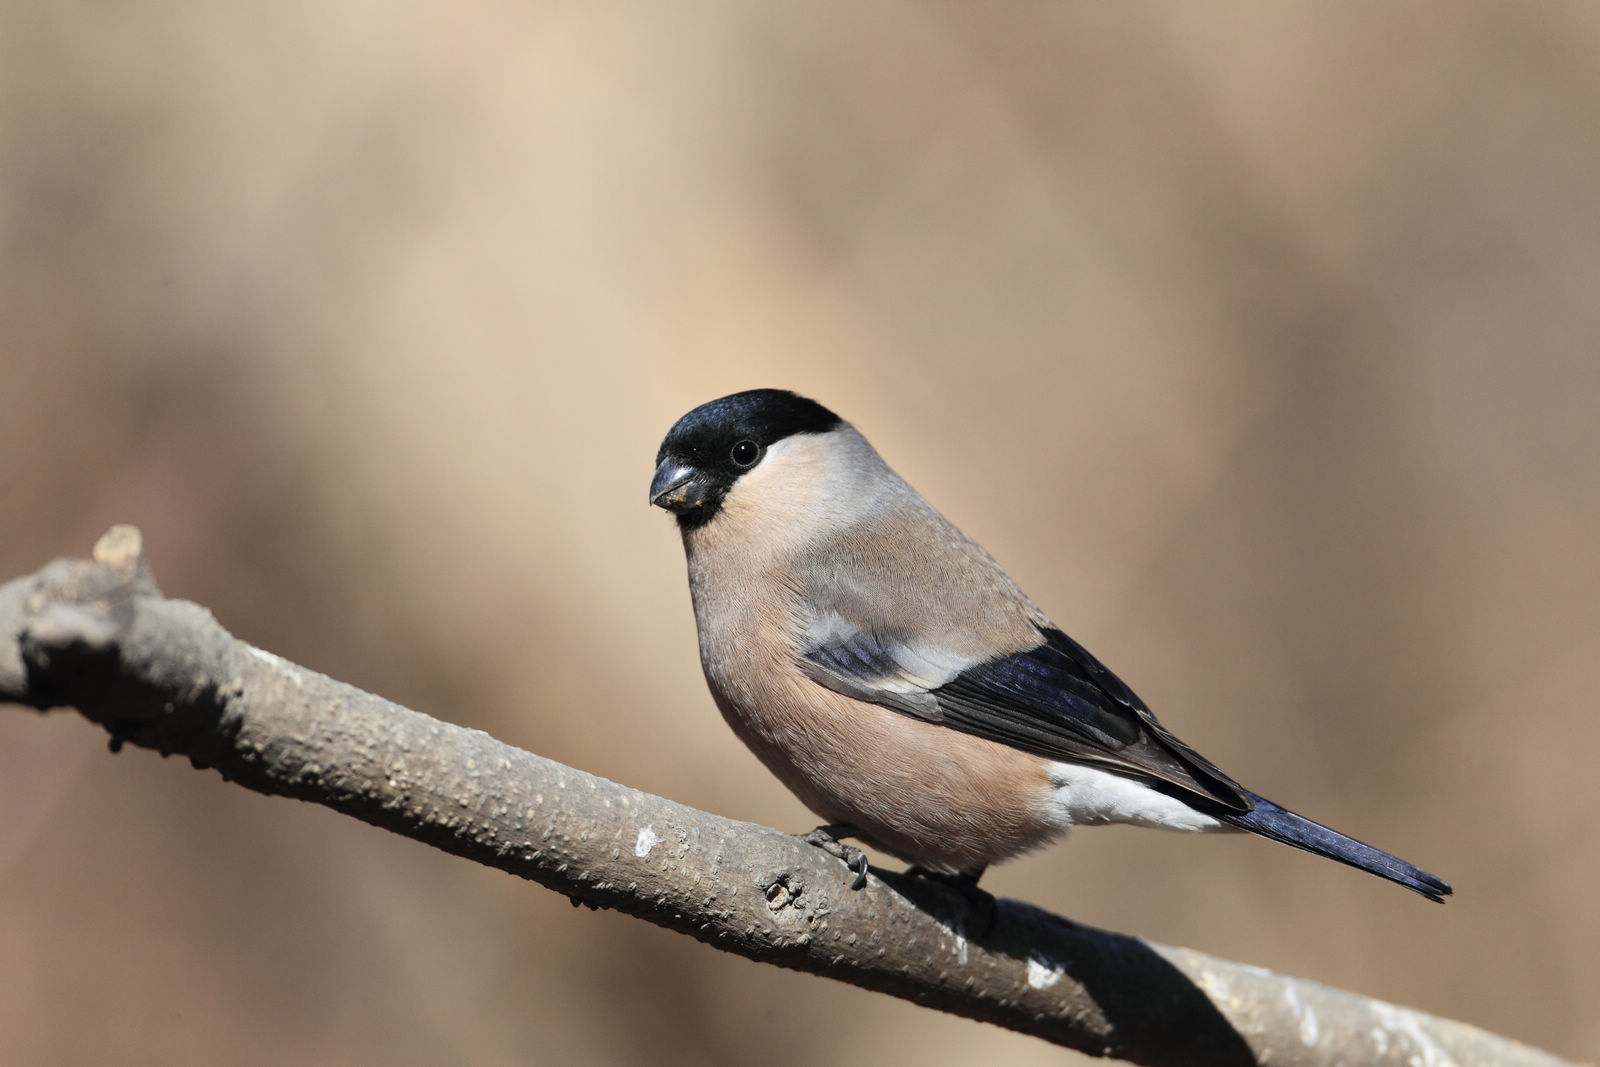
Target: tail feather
[{"x": 1280, "y": 824}]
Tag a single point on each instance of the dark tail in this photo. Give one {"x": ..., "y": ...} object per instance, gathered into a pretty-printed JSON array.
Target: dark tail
[{"x": 1280, "y": 824}]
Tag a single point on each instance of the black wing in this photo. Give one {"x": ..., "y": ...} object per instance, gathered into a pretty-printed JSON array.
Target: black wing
[{"x": 1055, "y": 700}]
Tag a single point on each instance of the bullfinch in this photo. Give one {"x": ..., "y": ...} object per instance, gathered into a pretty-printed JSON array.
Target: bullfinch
[{"x": 893, "y": 676}]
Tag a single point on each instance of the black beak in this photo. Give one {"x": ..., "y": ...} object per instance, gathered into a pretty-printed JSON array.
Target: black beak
[{"x": 677, "y": 487}]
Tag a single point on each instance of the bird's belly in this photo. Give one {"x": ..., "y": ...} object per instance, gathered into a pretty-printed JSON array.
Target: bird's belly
[{"x": 925, "y": 793}]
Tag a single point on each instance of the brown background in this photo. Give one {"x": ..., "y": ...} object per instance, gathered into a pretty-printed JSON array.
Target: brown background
[{"x": 1258, "y": 341}]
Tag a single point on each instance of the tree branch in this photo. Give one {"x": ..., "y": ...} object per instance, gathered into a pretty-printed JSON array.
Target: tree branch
[{"x": 159, "y": 673}]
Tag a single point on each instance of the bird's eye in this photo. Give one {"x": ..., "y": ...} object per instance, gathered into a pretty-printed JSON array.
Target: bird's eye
[{"x": 745, "y": 453}]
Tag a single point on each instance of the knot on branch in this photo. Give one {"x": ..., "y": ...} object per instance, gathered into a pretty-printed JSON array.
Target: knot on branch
[{"x": 68, "y": 614}]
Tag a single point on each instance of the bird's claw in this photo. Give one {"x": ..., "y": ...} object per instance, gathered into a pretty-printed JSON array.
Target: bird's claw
[{"x": 828, "y": 838}]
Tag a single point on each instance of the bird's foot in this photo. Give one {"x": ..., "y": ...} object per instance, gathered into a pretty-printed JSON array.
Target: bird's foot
[{"x": 829, "y": 839}]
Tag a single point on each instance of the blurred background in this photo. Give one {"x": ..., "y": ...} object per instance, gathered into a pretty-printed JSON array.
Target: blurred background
[{"x": 1258, "y": 342}]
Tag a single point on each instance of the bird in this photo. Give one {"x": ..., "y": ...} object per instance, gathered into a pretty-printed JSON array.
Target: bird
[{"x": 895, "y": 678}]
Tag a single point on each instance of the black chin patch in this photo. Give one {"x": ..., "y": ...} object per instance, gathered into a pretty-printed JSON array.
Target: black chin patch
[{"x": 705, "y": 438}]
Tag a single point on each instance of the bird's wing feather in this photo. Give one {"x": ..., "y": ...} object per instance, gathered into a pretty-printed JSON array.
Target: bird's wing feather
[{"x": 1051, "y": 698}]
